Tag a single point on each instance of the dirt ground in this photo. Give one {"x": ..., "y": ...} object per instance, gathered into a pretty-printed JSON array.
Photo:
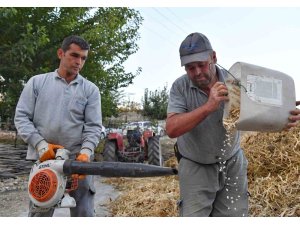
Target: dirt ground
[{"x": 14, "y": 198}]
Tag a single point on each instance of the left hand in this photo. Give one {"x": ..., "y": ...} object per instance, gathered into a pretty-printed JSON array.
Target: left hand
[
  {"x": 83, "y": 156},
  {"x": 294, "y": 117}
]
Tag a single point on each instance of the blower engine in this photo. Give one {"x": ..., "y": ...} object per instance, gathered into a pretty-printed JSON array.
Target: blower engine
[
  {"x": 47, "y": 185},
  {"x": 50, "y": 181}
]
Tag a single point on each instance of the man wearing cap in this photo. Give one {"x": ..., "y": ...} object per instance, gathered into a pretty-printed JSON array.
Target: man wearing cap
[{"x": 213, "y": 167}]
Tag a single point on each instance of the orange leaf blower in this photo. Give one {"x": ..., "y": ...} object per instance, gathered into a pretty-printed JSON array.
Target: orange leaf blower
[{"x": 49, "y": 181}]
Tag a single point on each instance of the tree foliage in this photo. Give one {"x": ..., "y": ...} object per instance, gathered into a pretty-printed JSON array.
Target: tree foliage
[
  {"x": 155, "y": 103},
  {"x": 30, "y": 38}
]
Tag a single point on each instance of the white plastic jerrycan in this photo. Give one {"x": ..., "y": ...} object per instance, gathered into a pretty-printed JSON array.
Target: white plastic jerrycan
[{"x": 263, "y": 97}]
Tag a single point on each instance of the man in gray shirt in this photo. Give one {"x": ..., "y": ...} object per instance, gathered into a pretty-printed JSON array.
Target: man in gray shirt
[
  {"x": 61, "y": 109},
  {"x": 213, "y": 167}
]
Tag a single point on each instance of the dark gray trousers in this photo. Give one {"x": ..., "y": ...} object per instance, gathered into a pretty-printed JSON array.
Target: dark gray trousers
[{"x": 218, "y": 189}]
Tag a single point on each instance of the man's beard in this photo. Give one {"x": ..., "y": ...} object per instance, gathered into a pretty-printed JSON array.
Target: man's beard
[{"x": 203, "y": 83}]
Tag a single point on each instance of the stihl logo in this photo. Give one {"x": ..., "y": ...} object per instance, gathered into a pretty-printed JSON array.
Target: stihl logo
[{"x": 44, "y": 166}]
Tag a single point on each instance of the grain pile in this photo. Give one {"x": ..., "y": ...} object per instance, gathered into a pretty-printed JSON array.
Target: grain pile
[{"x": 273, "y": 173}]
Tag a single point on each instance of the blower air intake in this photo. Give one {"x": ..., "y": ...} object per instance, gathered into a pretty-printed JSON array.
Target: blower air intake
[{"x": 43, "y": 185}]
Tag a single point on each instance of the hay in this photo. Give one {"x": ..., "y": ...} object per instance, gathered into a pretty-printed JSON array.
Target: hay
[
  {"x": 146, "y": 196},
  {"x": 230, "y": 122},
  {"x": 233, "y": 106},
  {"x": 273, "y": 173}
]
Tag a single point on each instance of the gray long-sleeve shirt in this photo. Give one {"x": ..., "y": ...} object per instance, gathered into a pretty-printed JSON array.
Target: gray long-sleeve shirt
[{"x": 66, "y": 114}]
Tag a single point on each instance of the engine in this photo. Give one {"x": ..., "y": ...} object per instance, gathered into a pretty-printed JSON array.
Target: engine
[{"x": 47, "y": 185}]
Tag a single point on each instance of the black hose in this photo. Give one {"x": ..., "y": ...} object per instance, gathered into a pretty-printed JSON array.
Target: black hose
[{"x": 116, "y": 169}]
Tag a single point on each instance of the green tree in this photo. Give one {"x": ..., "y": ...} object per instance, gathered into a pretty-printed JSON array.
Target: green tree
[
  {"x": 155, "y": 103},
  {"x": 30, "y": 38}
]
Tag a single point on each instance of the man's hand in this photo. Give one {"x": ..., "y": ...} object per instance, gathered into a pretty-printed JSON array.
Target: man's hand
[
  {"x": 83, "y": 156},
  {"x": 294, "y": 117},
  {"x": 47, "y": 151},
  {"x": 62, "y": 154},
  {"x": 218, "y": 93}
]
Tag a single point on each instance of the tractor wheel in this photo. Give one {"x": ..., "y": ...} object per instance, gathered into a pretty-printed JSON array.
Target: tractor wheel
[
  {"x": 109, "y": 153},
  {"x": 154, "y": 152}
]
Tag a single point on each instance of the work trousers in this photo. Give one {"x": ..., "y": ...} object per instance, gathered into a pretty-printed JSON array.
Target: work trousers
[
  {"x": 218, "y": 189},
  {"x": 84, "y": 197}
]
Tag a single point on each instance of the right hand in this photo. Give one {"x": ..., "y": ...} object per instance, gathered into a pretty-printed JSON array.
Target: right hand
[
  {"x": 218, "y": 93},
  {"x": 83, "y": 156},
  {"x": 47, "y": 151}
]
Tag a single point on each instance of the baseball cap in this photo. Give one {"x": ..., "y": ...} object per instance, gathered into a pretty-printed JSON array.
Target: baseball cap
[{"x": 195, "y": 47}]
